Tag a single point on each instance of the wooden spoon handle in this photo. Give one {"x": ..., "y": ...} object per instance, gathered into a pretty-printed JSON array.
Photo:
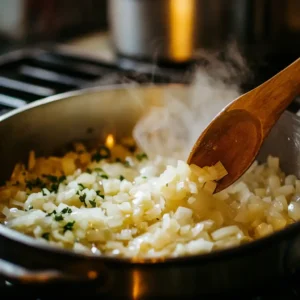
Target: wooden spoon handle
[{"x": 268, "y": 101}]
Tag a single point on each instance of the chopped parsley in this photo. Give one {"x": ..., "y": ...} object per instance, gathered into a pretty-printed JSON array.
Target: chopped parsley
[
  {"x": 38, "y": 183},
  {"x": 30, "y": 184},
  {"x": 62, "y": 178},
  {"x": 98, "y": 170},
  {"x": 121, "y": 177},
  {"x": 46, "y": 236},
  {"x": 126, "y": 163},
  {"x": 144, "y": 177},
  {"x": 55, "y": 179},
  {"x": 43, "y": 192},
  {"x": 82, "y": 199},
  {"x": 104, "y": 176},
  {"x": 29, "y": 208},
  {"x": 69, "y": 226},
  {"x": 50, "y": 177},
  {"x": 52, "y": 213},
  {"x": 102, "y": 153},
  {"x": 93, "y": 203},
  {"x": 99, "y": 194},
  {"x": 141, "y": 156},
  {"x": 66, "y": 210},
  {"x": 88, "y": 170},
  {"x": 82, "y": 187},
  {"x": 58, "y": 218},
  {"x": 54, "y": 188}
]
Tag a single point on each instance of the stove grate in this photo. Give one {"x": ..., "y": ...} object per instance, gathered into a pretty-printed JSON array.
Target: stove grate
[{"x": 32, "y": 74}]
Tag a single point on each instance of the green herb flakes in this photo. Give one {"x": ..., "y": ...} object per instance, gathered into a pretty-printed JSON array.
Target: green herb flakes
[
  {"x": 93, "y": 203},
  {"x": 58, "y": 218},
  {"x": 50, "y": 177},
  {"x": 46, "y": 236},
  {"x": 29, "y": 208},
  {"x": 121, "y": 177},
  {"x": 82, "y": 199},
  {"x": 126, "y": 164},
  {"x": 141, "y": 156},
  {"x": 52, "y": 213},
  {"x": 99, "y": 194},
  {"x": 54, "y": 188},
  {"x": 102, "y": 153},
  {"x": 66, "y": 210},
  {"x": 81, "y": 186},
  {"x": 69, "y": 226},
  {"x": 35, "y": 183},
  {"x": 44, "y": 192},
  {"x": 55, "y": 179}
]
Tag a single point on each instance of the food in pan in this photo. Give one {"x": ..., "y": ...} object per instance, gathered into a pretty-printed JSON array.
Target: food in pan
[{"x": 114, "y": 200}]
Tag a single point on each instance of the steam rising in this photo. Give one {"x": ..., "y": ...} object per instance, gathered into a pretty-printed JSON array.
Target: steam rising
[{"x": 171, "y": 130}]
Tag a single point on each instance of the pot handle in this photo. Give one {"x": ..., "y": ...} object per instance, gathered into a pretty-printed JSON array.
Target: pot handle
[{"x": 14, "y": 273}]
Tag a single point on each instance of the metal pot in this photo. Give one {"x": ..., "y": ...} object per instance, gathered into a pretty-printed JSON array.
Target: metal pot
[
  {"x": 87, "y": 116},
  {"x": 173, "y": 30}
]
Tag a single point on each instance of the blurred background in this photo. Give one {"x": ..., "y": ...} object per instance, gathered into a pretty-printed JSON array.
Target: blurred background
[
  {"x": 172, "y": 29},
  {"x": 52, "y": 46},
  {"x": 24, "y": 22}
]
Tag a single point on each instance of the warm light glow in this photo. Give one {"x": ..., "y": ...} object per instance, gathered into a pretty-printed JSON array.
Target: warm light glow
[
  {"x": 92, "y": 274},
  {"x": 182, "y": 28},
  {"x": 110, "y": 141},
  {"x": 136, "y": 289}
]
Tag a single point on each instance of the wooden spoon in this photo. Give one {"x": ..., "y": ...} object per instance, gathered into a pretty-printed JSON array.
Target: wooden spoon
[{"x": 235, "y": 136}]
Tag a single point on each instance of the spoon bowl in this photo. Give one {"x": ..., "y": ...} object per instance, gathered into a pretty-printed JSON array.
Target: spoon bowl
[
  {"x": 236, "y": 135},
  {"x": 239, "y": 134}
]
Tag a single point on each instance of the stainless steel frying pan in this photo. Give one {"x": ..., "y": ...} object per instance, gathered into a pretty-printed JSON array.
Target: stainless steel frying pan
[{"x": 49, "y": 125}]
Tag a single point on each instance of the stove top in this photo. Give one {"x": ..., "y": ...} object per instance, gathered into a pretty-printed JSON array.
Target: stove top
[{"x": 31, "y": 74}]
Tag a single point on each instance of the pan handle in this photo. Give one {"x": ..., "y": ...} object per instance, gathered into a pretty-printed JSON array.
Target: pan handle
[{"x": 16, "y": 274}]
